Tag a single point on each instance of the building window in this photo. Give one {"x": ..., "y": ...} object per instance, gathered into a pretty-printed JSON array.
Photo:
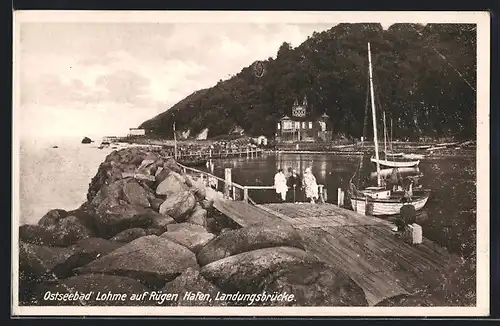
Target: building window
[
  {"x": 297, "y": 125},
  {"x": 310, "y": 125},
  {"x": 279, "y": 126},
  {"x": 303, "y": 125},
  {"x": 287, "y": 125}
]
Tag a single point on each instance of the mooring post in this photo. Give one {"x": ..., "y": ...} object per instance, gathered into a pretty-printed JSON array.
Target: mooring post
[
  {"x": 227, "y": 181},
  {"x": 210, "y": 153},
  {"x": 339, "y": 197},
  {"x": 234, "y": 193}
]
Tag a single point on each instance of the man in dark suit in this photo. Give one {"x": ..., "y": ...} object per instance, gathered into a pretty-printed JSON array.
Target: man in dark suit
[{"x": 294, "y": 184}]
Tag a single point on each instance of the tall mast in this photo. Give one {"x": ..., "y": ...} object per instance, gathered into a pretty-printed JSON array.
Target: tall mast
[
  {"x": 175, "y": 141},
  {"x": 374, "y": 115},
  {"x": 385, "y": 137}
]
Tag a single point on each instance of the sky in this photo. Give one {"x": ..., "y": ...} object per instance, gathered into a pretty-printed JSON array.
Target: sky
[{"x": 79, "y": 78}]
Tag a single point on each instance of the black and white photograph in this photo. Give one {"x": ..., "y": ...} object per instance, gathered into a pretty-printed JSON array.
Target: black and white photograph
[{"x": 251, "y": 163}]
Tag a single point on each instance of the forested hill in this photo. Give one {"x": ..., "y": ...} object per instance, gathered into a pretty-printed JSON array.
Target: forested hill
[{"x": 425, "y": 80}]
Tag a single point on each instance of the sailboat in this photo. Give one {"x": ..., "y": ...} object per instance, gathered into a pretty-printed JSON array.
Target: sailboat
[
  {"x": 389, "y": 159},
  {"x": 378, "y": 200}
]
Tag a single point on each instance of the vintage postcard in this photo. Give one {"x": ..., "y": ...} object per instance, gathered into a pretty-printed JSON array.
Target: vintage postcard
[{"x": 251, "y": 163}]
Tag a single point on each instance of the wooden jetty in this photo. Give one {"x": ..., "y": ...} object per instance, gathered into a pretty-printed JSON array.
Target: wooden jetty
[{"x": 364, "y": 247}]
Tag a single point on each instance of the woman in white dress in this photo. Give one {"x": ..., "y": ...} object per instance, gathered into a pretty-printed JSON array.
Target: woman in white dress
[
  {"x": 310, "y": 186},
  {"x": 280, "y": 184}
]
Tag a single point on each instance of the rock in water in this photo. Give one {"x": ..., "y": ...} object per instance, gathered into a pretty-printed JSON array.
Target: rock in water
[
  {"x": 86, "y": 140},
  {"x": 178, "y": 206},
  {"x": 194, "y": 241},
  {"x": 134, "y": 194},
  {"x": 243, "y": 272},
  {"x": 173, "y": 183},
  {"x": 129, "y": 235},
  {"x": 122, "y": 290},
  {"x": 249, "y": 238},
  {"x": 152, "y": 259},
  {"x": 192, "y": 288}
]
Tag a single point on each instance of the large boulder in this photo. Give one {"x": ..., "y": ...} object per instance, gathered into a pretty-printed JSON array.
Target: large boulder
[
  {"x": 188, "y": 227},
  {"x": 129, "y": 235},
  {"x": 194, "y": 241},
  {"x": 156, "y": 203},
  {"x": 134, "y": 194},
  {"x": 173, "y": 183},
  {"x": 152, "y": 259},
  {"x": 65, "y": 232},
  {"x": 249, "y": 238},
  {"x": 107, "y": 192},
  {"x": 207, "y": 203},
  {"x": 172, "y": 165},
  {"x": 194, "y": 290},
  {"x": 52, "y": 217},
  {"x": 179, "y": 205},
  {"x": 160, "y": 176},
  {"x": 403, "y": 300},
  {"x": 287, "y": 271},
  {"x": 244, "y": 272},
  {"x": 198, "y": 216},
  {"x": 114, "y": 217},
  {"x": 94, "y": 290},
  {"x": 36, "y": 264},
  {"x": 162, "y": 221},
  {"x": 315, "y": 284},
  {"x": 83, "y": 253}
]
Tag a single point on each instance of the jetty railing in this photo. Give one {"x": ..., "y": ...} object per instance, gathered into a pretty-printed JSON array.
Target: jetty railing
[
  {"x": 233, "y": 190},
  {"x": 247, "y": 151}
]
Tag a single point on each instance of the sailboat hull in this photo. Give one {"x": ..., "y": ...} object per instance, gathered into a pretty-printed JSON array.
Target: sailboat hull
[
  {"x": 384, "y": 207},
  {"x": 396, "y": 164}
]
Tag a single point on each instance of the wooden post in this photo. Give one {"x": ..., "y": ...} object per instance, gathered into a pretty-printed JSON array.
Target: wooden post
[
  {"x": 339, "y": 197},
  {"x": 234, "y": 193},
  {"x": 227, "y": 181},
  {"x": 210, "y": 153},
  {"x": 248, "y": 151},
  {"x": 321, "y": 199},
  {"x": 245, "y": 194}
]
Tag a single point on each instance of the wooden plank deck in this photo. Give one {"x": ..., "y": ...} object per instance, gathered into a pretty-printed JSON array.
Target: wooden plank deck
[{"x": 364, "y": 247}]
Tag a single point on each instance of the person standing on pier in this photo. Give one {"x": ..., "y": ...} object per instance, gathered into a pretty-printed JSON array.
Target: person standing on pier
[
  {"x": 295, "y": 185},
  {"x": 280, "y": 184},
  {"x": 310, "y": 186}
]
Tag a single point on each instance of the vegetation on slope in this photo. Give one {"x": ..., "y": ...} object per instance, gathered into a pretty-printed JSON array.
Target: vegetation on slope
[{"x": 425, "y": 79}]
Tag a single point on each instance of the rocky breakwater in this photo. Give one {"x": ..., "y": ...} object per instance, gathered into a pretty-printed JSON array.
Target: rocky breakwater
[{"x": 148, "y": 235}]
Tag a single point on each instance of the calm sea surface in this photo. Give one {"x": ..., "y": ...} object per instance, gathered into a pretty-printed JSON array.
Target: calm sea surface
[
  {"x": 59, "y": 177},
  {"x": 449, "y": 217}
]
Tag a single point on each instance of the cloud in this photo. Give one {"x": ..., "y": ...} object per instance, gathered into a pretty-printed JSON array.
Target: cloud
[{"x": 125, "y": 68}]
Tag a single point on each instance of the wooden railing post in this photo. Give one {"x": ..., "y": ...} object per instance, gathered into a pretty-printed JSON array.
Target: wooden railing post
[
  {"x": 227, "y": 181},
  {"x": 245, "y": 194}
]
